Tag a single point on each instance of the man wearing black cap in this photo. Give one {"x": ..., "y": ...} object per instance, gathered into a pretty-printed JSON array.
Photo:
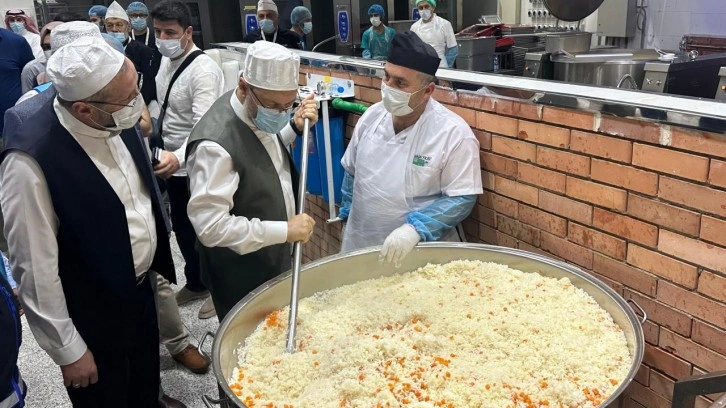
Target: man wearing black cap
[{"x": 412, "y": 169}]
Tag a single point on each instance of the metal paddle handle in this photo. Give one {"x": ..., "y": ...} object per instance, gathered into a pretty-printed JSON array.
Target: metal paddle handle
[{"x": 297, "y": 249}]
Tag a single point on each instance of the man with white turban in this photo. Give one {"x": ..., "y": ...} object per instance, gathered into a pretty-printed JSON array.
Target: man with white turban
[
  {"x": 241, "y": 178},
  {"x": 85, "y": 224},
  {"x": 268, "y": 21}
]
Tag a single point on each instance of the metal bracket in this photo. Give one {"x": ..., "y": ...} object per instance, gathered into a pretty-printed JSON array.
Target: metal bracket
[{"x": 687, "y": 389}]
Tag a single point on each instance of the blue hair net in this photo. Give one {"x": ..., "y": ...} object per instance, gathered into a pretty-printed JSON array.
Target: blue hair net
[
  {"x": 299, "y": 14},
  {"x": 114, "y": 43},
  {"x": 137, "y": 7},
  {"x": 97, "y": 11},
  {"x": 377, "y": 9}
]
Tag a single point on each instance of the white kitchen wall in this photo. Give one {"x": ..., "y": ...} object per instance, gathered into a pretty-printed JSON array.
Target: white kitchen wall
[{"x": 668, "y": 20}]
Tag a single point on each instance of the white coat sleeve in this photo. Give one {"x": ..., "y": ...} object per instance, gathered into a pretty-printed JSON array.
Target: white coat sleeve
[
  {"x": 450, "y": 37},
  {"x": 34, "y": 41},
  {"x": 31, "y": 227},
  {"x": 213, "y": 183}
]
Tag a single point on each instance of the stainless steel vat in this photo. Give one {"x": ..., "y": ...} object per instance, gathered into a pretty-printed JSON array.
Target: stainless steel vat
[
  {"x": 603, "y": 68},
  {"x": 569, "y": 42},
  {"x": 343, "y": 269},
  {"x": 470, "y": 46}
]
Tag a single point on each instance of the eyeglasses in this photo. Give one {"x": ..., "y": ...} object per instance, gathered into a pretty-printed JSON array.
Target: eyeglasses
[
  {"x": 292, "y": 105},
  {"x": 131, "y": 103},
  {"x": 120, "y": 25}
]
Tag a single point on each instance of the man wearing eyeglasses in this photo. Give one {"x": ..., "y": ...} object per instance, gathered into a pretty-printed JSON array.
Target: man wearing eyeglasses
[{"x": 242, "y": 180}]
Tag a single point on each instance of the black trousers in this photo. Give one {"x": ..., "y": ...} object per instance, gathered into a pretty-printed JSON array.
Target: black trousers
[
  {"x": 10, "y": 339},
  {"x": 186, "y": 237},
  {"x": 128, "y": 377}
]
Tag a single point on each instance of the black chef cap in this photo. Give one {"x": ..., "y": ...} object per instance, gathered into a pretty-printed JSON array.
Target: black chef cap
[{"x": 408, "y": 50}]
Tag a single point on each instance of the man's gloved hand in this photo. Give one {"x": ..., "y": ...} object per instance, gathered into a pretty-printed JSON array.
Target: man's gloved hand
[{"x": 399, "y": 243}]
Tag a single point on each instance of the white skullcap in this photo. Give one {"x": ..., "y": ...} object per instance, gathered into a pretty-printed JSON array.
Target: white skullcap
[
  {"x": 266, "y": 5},
  {"x": 271, "y": 66},
  {"x": 68, "y": 32},
  {"x": 83, "y": 67},
  {"x": 116, "y": 11}
]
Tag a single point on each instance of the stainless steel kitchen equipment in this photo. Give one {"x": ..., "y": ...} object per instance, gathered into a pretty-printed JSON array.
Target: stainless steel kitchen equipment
[
  {"x": 568, "y": 10},
  {"x": 721, "y": 89},
  {"x": 685, "y": 76},
  {"x": 603, "y": 67},
  {"x": 476, "y": 53},
  {"x": 538, "y": 65},
  {"x": 401, "y": 25},
  {"x": 350, "y": 19},
  {"x": 572, "y": 42},
  {"x": 351, "y": 267}
]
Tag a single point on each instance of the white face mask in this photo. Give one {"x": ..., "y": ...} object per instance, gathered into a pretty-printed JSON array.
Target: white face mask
[
  {"x": 396, "y": 101},
  {"x": 126, "y": 117},
  {"x": 376, "y": 21},
  {"x": 426, "y": 14},
  {"x": 170, "y": 47},
  {"x": 18, "y": 28},
  {"x": 307, "y": 27}
]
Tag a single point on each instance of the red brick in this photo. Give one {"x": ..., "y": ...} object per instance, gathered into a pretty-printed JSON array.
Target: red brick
[
  {"x": 352, "y": 119},
  {"x": 706, "y": 309},
  {"x": 601, "y": 146},
  {"x": 663, "y": 266},
  {"x": 500, "y": 125},
  {"x": 699, "y": 252},
  {"x": 487, "y": 180},
  {"x": 717, "y": 173},
  {"x": 486, "y": 216},
  {"x": 712, "y": 144},
  {"x": 693, "y": 352},
  {"x": 468, "y": 115},
  {"x": 671, "y": 162},
  {"x": 666, "y": 362},
  {"x": 662, "y": 314},
  {"x": 563, "y": 161},
  {"x": 516, "y": 229},
  {"x": 631, "y": 277},
  {"x": 629, "y": 403},
  {"x": 713, "y": 229},
  {"x": 340, "y": 74},
  {"x": 487, "y": 234},
  {"x": 471, "y": 227},
  {"x": 517, "y": 191},
  {"x": 661, "y": 384},
  {"x": 514, "y": 148},
  {"x": 469, "y": 100},
  {"x": 376, "y": 83},
  {"x": 646, "y": 396},
  {"x": 543, "y": 220},
  {"x": 518, "y": 109},
  {"x": 362, "y": 80},
  {"x": 504, "y": 205},
  {"x": 643, "y": 375},
  {"x": 444, "y": 95},
  {"x": 692, "y": 195},
  {"x": 601, "y": 242},
  {"x": 565, "y": 207},
  {"x": 505, "y": 240},
  {"x": 567, "y": 250},
  {"x": 650, "y": 332},
  {"x": 709, "y": 336},
  {"x": 568, "y": 117},
  {"x": 595, "y": 193},
  {"x": 544, "y": 134},
  {"x": 630, "y": 129},
  {"x": 616, "y": 286},
  {"x": 663, "y": 214},
  {"x": 370, "y": 95},
  {"x": 713, "y": 286},
  {"x": 624, "y": 176},
  {"x": 484, "y": 138},
  {"x": 548, "y": 179},
  {"x": 531, "y": 248},
  {"x": 625, "y": 227},
  {"x": 498, "y": 164}
]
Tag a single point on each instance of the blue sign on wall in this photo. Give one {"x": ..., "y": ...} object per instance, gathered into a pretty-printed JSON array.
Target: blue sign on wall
[
  {"x": 414, "y": 14},
  {"x": 343, "y": 26},
  {"x": 251, "y": 22}
]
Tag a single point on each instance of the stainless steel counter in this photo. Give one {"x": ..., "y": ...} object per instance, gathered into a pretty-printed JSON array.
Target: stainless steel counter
[{"x": 703, "y": 114}]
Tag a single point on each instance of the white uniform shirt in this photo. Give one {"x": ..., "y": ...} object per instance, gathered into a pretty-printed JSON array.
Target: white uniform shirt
[
  {"x": 31, "y": 226},
  {"x": 213, "y": 182},
  {"x": 34, "y": 40},
  {"x": 192, "y": 95},
  {"x": 438, "y": 33}
]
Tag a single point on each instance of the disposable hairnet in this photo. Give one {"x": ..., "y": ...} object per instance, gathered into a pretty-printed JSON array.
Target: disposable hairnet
[
  {"x": 431, "y": 2},
  {"x": 68, "y": 32},
  {"x": 114, "y": 43},
  {"x": 137, "y": 7},
  {"x": 97, "y": 11},
  {"x": 299, "y": 14},
  {"x": 377, "y": 9}
]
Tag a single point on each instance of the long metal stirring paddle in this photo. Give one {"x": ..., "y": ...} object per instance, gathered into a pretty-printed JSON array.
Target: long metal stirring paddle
[{"x": 297, "y": 249}]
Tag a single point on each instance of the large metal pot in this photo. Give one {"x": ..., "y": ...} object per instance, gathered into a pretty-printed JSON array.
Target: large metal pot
[
  {"x": 603, "y": 67},
  {"x": 339, "y": 270}
]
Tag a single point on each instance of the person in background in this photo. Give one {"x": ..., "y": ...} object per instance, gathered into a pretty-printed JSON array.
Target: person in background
[
  {"x": 302, "y": 24},
  {"x": 286, "y": 11},
  {"x": 12, "y": 387},
  {"x": 67, "y": 16},
  {"x": 193, "y": 93},
  {"x": 139, "y": 15},
  {"x": 96, "y": 14},
  {"x": 118, "y": 24},
  {"x": 269, "y": 29},
  {"x": 242, "y": 178},
  {"x": 436, "y": 32},
  {"x": 376, "y": 40},
  {"x": 96, "y": 319},
  {"x": 412, "y": 170},
  {"x": 21, "y": 24},
  {"x": 15, "y": 54},
  {"x": 34, "y": 72}
]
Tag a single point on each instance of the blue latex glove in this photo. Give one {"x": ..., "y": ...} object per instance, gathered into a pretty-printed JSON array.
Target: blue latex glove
[
  {"x": 347, "y": 196},
  {"x": 451, "y": 54},
  {"x": 441, "y": 216}
]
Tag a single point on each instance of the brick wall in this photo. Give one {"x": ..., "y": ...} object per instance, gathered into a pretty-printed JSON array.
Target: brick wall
[{"x": 639, "y": 205}]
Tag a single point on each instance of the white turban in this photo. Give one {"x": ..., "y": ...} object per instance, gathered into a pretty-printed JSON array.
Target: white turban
[
  {"x": 68, "y": 32},
  {"x": 83, "y": 67},
  {"x": 116, "y": 11},
  {"x": 271, "y": 66},
  {"x": 266, "y": 5}
]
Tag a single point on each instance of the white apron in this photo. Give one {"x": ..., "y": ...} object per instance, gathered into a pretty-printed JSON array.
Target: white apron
[
  {"x": 433, "y": 34},
  {"x": 387, "y": 186}
]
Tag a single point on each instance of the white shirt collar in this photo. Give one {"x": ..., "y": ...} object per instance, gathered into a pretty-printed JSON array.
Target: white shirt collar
[{"x": 75, "y": 126}]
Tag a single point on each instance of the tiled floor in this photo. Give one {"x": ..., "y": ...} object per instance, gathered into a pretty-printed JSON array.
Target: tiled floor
[{"x": 45, "y": 384}]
